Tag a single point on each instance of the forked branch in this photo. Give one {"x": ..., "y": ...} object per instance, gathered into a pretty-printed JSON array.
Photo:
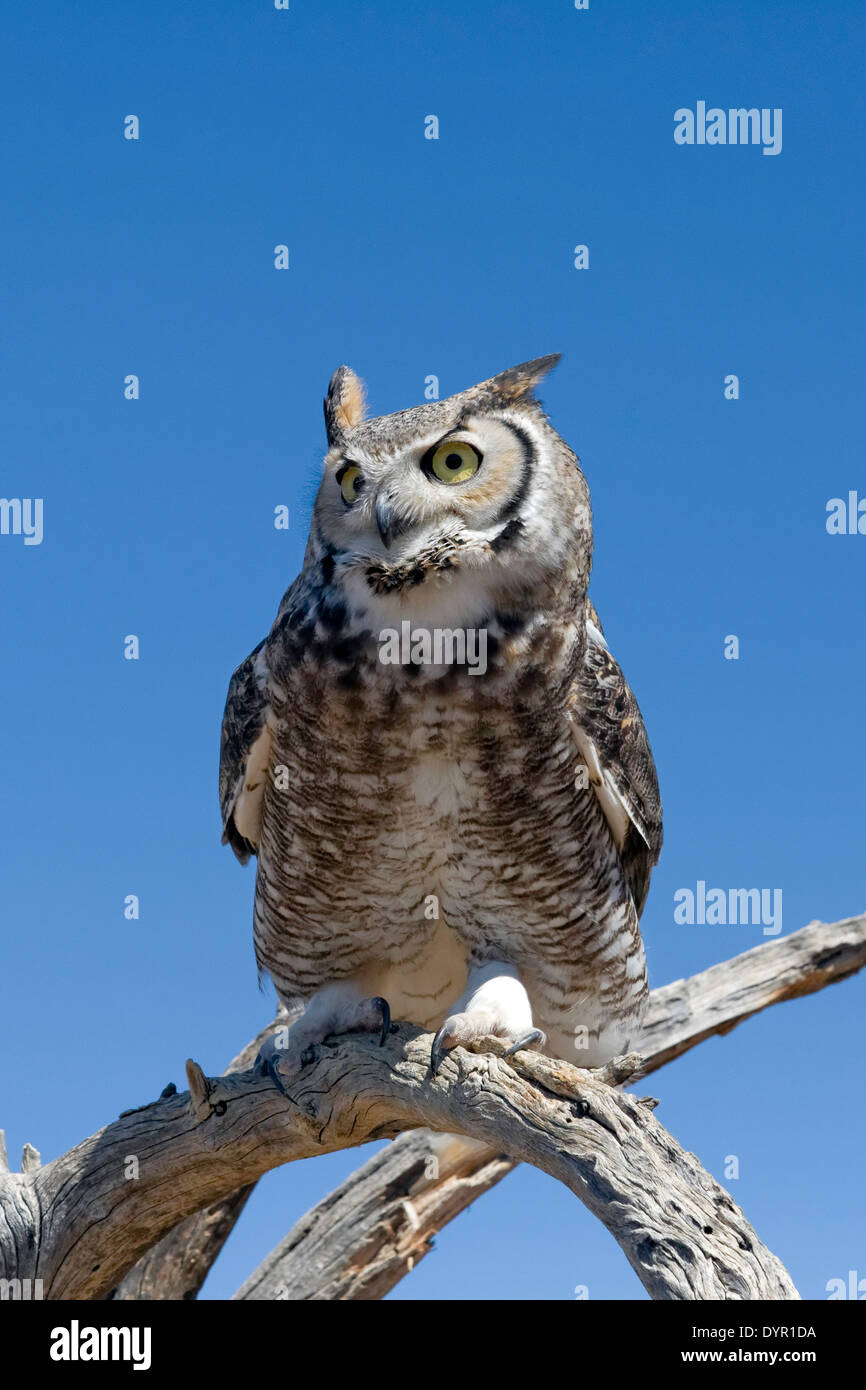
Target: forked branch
[
  {"x": 374, "y": 1228},
  {"x": 80, "y": 1222}
]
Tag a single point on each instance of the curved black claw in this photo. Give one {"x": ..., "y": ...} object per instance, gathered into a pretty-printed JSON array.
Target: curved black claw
[
  {"x": 437, "y": 1051},
  {"x": 385, "y": 1010},
  {"x": 267, "y": 1061},
  {"x": 272, "y": 1070},
  {"x": 535, "y": 1036}
]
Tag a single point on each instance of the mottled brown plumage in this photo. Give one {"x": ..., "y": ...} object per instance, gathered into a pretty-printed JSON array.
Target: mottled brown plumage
[{"x": 429, "y": 833}]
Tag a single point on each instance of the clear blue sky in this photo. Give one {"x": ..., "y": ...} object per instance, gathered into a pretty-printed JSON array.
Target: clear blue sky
[{"x": 411, "y": 257}]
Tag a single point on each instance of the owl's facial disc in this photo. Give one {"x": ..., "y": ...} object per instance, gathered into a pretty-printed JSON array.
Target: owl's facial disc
[{"x": 458, "y": 489}]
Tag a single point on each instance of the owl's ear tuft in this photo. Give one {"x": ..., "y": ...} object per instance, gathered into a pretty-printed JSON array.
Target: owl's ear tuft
[
  {"x": 345, "y": 406},
  {"x": 517, "y": 383}
]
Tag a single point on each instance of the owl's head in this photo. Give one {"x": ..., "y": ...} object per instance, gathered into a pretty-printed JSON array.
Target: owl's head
[{"x": 454, "y": 503}]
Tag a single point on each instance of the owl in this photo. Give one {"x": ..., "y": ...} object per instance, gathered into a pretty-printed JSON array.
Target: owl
[{"x": 433, "y": 754}]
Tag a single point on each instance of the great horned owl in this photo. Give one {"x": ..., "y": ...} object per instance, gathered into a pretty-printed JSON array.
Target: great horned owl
[{"x": 470, "y": 841}]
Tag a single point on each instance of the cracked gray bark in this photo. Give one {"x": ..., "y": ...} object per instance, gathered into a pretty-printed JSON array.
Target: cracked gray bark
[
  {"x": 373, "y": 1229},
  {"x": 78, "y": 1224},
  {"x": 177, "y": 1266}
]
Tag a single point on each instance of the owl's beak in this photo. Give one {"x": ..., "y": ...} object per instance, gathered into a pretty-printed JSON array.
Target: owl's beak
[{"x": 387, "y": 521}]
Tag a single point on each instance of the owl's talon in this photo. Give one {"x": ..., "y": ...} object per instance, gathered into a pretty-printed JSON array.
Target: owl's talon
[
  {"x": 534, "y": 1038},
  {"x": 437, "y": 1051},
  {"x": 272, "y": 1069},
  {"x": 269, "y": 1059},
  {"x": 531, "y": 1039},
  {"x": 385, "y": 1008}
]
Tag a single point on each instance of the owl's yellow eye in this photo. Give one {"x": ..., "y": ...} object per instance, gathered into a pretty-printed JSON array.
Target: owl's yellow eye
[
  {"x": 351, "y": 482},
  {"x": 454, "y": 462}
]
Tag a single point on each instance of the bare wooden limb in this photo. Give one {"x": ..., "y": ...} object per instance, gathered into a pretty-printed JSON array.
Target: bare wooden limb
[
  {"x": 684, "y": 1013},
  {"x": 81, "y": 1221},
  {"x": 323, "y": 1256},
  {"x": 177, "y": 1266},
  {"x": 373, "y": 1229},
  {"x": 359, "y": 1242}
]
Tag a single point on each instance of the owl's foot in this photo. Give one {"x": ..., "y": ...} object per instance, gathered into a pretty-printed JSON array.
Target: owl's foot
[
  {"x": 462, "y": 1029},
  {"x": 333, "y": 1011},
  {"x": 535, "y": 1038},
  {"x": 495, "y": 1004}
]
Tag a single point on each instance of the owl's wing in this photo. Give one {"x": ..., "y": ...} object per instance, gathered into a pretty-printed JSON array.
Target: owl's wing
[
  {"x": 613, "y": 743},
  {"x": 245, "y": 754}
]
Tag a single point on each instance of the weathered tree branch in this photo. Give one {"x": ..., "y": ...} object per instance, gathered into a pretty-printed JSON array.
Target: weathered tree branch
[
  {"x": 356, "y": 1244},
  {"x": 362, "y": 1239},
  {"x": 686, "y": 1012},
  {"x": 79, "y": 1223},
  {"x": 177, "y": 1266},
  {"x": 182, "y": 1260},
  {"x": 375, "y": 1227}
]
